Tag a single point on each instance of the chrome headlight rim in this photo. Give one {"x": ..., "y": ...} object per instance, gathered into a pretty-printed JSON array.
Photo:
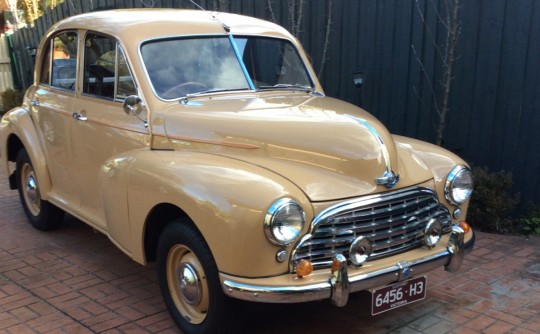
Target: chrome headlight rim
[
  {"x": 455, "y": 174},
  {"x": 271, "y": 225}
]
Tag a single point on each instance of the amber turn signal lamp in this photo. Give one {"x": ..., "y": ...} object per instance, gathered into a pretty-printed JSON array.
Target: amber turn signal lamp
[
  {"x": 465, "y": 227},
  {"x": 335, "y": 265},
  {"x": 304, "y": 268}
]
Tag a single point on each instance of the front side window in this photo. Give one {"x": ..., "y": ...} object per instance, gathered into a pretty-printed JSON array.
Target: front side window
[
  {"x": 182, "y": 66},
  {"x": 106, "y": 73}
]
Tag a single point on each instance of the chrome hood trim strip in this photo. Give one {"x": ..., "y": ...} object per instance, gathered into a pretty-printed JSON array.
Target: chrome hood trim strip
[{"x": 389, "y": 178}]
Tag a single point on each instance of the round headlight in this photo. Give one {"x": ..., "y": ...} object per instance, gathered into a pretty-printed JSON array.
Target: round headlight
[
  {"x": 459, "y": 185},
  {"x": 284, "y": 221}
]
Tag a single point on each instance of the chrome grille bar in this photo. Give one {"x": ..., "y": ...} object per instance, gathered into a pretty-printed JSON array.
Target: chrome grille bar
[{"x": 393, "y": 221}]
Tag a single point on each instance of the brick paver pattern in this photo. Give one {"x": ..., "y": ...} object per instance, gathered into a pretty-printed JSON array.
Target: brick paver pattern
[{"x": 73, "y": 280}]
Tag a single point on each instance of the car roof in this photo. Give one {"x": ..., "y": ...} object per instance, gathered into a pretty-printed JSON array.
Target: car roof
[{"x": 142, "y": 24}]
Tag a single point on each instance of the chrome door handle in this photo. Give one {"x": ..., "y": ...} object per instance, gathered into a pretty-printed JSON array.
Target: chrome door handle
[{"x": 79, "y": 117}]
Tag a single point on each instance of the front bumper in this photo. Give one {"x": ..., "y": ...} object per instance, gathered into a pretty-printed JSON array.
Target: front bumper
[{"x": 339, "y": 284}]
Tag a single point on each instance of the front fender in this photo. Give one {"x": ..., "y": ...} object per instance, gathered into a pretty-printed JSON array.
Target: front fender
[
  {"x": 17, "y": 125},
  {"x": 439, "y": 160},
  {"x": 226, "y": 199}
]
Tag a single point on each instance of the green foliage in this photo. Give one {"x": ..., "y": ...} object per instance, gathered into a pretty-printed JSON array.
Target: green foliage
[
  {"x": 530, "y": 224},
  {"x": 493, "y": 205},
  {"x": 492, "y": 202},
  {"x": 11, "y": 99}
]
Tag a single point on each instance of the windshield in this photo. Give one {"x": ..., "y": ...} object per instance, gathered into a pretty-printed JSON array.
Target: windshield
[{"x": 183, "y": 66}]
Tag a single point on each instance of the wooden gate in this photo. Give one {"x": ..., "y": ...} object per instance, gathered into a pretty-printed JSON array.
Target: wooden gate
[{"x": 6, "y": 78}]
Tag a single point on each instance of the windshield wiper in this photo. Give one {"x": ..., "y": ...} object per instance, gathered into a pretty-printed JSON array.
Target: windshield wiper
[
  {"x": 184, "y": 99},
  {"x": 307, "y": 89},
  {"x": 288, "y": 86}
]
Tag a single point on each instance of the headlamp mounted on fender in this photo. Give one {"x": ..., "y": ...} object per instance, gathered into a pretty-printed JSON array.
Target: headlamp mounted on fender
[
  {"x": 284, "y": 221},
  {"x": 459, "y": 185}
]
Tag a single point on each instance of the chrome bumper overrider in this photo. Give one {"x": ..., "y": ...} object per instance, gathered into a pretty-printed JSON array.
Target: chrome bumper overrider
[{"x": 339, "y": 285}]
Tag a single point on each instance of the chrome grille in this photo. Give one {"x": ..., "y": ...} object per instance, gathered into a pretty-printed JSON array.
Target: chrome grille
[{"x": 394, "y": 222}]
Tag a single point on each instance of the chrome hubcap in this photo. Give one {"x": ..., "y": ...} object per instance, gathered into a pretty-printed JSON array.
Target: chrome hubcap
[
  {"x": 30, "y": 189},
  {"x": 189, "y": 284}
]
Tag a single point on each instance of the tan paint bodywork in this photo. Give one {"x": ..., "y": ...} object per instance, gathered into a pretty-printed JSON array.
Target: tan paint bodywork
[
  {"x": 223, "y": 161},
  {"x": 288, "y": 135}
]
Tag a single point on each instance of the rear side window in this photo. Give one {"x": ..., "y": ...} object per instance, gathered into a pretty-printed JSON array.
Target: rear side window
[{"x": 59, "y": 65}]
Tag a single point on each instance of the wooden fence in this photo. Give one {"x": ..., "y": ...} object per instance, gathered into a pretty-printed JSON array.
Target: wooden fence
[{"x": 494, "y": 118}]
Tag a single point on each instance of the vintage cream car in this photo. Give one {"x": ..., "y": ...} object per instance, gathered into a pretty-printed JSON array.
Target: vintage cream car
[{"x": 204, "y": 141}]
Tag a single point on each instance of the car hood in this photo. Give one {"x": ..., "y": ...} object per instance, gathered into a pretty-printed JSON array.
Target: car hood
[{"x": 329, "y": 148}]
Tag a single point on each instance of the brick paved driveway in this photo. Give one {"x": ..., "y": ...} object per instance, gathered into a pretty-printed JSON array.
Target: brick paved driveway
[{"x": 75, "y": 281}]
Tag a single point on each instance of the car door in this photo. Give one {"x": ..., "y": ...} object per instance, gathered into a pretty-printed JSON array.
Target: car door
[
  {"x": 102, "y": 130},
  {"x": 51, "y": 107}
]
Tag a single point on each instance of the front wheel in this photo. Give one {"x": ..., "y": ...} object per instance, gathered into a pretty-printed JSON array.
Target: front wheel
[
  {"x": 190, "y": 284},
  {"x": 41, "y": 214}
]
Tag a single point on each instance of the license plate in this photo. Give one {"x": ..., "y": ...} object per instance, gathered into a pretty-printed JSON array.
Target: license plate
[{"x": 397, "y": 295}]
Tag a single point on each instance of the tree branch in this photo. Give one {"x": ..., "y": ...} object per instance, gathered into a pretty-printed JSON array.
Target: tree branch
[
  {"x": 272, "y": 15},
  {"x": 326, "y": 38},
  {"x": 451, "y": 22}
]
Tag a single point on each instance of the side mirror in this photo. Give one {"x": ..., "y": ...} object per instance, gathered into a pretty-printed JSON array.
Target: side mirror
[{"x": 133, "y": 105}]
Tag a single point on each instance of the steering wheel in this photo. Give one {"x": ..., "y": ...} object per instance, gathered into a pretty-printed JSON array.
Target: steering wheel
[{"x": 185, "y": 88}]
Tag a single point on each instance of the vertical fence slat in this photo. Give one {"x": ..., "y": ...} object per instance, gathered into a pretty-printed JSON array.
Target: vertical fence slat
[
  {"x": 515, "y": 43},
  {"x": 487, "y": 69},
  {"x": 463, "y": 119},
  {"x": 527, "y": 156}
]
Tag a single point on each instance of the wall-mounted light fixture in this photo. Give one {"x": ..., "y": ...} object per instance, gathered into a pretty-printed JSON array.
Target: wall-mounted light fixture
[
  {"x": 31, "y": 50},
  {"x": 359, "y": 78}
]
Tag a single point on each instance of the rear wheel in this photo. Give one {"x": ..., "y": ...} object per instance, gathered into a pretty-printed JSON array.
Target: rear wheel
[
  {"x": 190, "y": 284},
  {"x": 41, "y": 214}
]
